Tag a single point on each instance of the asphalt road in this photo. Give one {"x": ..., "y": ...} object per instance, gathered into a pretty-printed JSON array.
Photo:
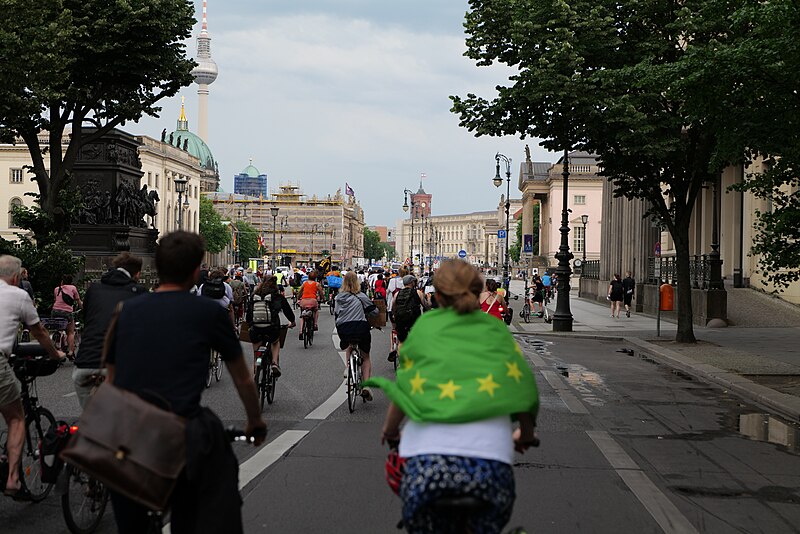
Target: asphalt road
[{"x": 627, "y": 446}]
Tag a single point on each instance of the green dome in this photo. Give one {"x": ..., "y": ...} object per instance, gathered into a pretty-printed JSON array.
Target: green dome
[
  {"x": 251, "y": 171},
  {"x": 195, "y": 146}
]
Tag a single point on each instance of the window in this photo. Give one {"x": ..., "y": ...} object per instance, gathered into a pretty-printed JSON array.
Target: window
[
  {"x": 14, "y": 202},
  {"x": 16, "y": 176},
  {"x": 580, "y": 199},
  {"x": 149, "y": 178},
  {"x": 156, "y": 180},
  {"x": 578, "y": 239}
]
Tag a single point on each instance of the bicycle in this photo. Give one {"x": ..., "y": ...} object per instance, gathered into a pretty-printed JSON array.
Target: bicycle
[
  {"x": 57, "y": 326},
  {"x": 307, "y": 331},
  {"x": 354, "y": 387},
  {"x": 332, "y": 301},
  {"x": 265, "y": 378},
  {"x": 30, "y": 361},
  {"x": 394, "y": 343},
  {"x": 214, "y": 368}
]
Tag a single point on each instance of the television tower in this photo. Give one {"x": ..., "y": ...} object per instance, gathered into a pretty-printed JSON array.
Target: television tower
[{"x": 204, "y": 75}]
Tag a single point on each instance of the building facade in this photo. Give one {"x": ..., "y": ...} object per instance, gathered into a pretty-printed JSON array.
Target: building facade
[
  {"x": 305, "y": 229},
  {"x": 183, "y": 139},
  {"x": 250, "y": 182}
]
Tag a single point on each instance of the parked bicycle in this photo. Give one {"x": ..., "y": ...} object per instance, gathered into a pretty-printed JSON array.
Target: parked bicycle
[{"x": 29, "y": 362}]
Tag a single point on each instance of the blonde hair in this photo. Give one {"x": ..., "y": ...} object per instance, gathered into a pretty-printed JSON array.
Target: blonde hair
[
  {"x": 351, "y": 284},
  {"x": 458, "y": 285},
  {"x": 403, "y": 271}
]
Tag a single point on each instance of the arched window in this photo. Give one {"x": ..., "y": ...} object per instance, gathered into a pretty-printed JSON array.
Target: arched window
[{"x": 16, "y": 201}]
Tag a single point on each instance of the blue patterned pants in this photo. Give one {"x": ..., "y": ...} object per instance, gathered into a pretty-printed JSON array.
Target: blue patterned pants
[{"x": 431, "y": 477}]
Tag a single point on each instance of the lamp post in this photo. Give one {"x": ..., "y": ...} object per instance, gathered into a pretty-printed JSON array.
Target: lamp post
[
  {"x": 422, "y": 240},
  {"x": 311, "y": 252},
  {"x": 180, "y": 188},
  {"x": 274, "y": 211},
  {"x": 406, "y": 192},
  {"x": 284, "y": 224},
  {"x": 714, "y": 261},
  {"x": 584, "y": 220},
  {"x": 498, "y": 181},
  {"x": 562, "y": 318}
]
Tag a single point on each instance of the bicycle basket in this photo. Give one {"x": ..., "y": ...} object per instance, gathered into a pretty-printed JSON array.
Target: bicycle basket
[
  {"x": 35, "y": 367},
  {"x": 54, "y": 323}
]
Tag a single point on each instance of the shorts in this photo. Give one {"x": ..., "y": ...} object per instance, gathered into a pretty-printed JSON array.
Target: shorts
[
  {"x": 432, "y": 476},
  {"x": 69, "y": 316},
  {"x": 355, "y": 331},
  {"x": 9, "y": 387},
  {"x": 311, "y": 304},
  {"x": 628, "y": 299},
  {"x": 403, "y": 330},
  {"x": 267, "y": 335},
  {"x": 616, "y": 296}
]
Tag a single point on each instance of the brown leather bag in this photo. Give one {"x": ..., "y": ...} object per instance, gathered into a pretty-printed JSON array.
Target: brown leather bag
[{"x": 132, "y": 446}]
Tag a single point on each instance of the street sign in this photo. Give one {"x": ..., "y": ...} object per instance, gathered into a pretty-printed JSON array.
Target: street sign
[
  {"x": 462, "y": 253},
  {"x": 501, "y": 234}
]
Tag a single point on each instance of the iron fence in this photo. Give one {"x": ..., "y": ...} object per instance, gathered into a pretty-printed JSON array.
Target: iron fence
[
  {"x": 590, "y": 269},
  {"x": 664, "y": 270}
]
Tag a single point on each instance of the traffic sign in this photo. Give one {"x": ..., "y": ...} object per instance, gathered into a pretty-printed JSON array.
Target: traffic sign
[
  {"x": 462, "y": 253},
  {"x": 501, "y": 234}
]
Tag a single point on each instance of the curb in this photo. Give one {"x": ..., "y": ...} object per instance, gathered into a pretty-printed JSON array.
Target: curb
[{"x": 785, "y": 405}]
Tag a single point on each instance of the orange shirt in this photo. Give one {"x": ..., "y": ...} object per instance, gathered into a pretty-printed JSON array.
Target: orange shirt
[{"x": 309, "y": 290}]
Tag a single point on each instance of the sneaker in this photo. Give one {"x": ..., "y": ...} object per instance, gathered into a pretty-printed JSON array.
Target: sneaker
[
  {"x": 366, "y": 394},
  {"x": 300, "y": 337},
  {"x": 392, "y": 356},
  {"x": 627, "y": 313},
  {"x": 276, "y": 370}
]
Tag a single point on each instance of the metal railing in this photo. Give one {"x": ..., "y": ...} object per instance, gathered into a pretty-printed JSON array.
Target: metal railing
[
  {"x": 591, "y": 270},
  {"x": 664, "y": 270}
]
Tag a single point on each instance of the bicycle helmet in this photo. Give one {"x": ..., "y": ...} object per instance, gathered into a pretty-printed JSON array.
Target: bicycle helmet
[{"x": 395, "y": 468}]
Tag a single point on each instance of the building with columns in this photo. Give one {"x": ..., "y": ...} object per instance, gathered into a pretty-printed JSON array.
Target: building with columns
[{"x": 542, "y": 183}]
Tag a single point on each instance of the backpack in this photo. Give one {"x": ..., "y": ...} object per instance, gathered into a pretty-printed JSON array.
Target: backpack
[
  {"x": 406, "y": 305},
  {"x": 239, "y": 291},
  {"x": 214, "y": 288},
  {"x": 265, "y": 311}
]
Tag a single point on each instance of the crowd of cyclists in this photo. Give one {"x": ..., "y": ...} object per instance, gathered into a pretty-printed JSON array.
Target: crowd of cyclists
[{"x": 195, "y": 309}]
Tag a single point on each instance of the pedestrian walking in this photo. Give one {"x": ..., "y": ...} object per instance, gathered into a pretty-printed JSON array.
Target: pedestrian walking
[
  {"x": 629, "y": 287},
  {"x": 616, "y": 294}
]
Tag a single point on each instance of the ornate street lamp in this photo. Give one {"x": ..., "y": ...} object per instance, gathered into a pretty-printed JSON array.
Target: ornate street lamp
[
  {"x": 274, "y": 211},
  {"x": 180, "y": 188},
  {"x": 498, "y": 181},
  {"x": 562, "y": 318},
  {"x": 584, "y": 220},
  {"x": 407, "y": 192},
  {"x": 714, "y": 260}
]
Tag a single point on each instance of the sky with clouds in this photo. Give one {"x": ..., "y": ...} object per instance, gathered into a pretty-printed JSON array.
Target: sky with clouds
[{"x": 323, "y": 92}]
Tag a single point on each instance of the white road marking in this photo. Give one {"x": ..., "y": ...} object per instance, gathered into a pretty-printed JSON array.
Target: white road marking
[
  {"x": 666, "y": 514},
  {"x": 268, "y": 455},
  {"x": 70, "y": 394},
  {"x": 573, "y": 403}
]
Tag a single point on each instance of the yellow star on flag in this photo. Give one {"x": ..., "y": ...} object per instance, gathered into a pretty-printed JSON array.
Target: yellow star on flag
[
  {"x": 513, "y": 371},
  {"x": 408, "y": 363},
  {"x": 416, "y": 384},
  {"x": 488, "y": 385},
  {"x": 448, "y": 390},
  {"x": 518, "y": 348}
]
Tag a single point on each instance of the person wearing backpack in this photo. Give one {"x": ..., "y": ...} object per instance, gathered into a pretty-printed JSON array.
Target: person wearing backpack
[
  {"x": 263, "y": 318},
  {"x": 239, "y": 290},
  {"x": 67, "y": 300},
  {"x": 407, "y": 308},
  {"x": 217, "y": 288}
]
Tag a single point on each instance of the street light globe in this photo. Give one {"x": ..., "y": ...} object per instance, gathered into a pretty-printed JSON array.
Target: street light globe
[
  {"x": 584, "y": 219},
  {"x": 497, "y": 181},
  {"x": 274, "y": 211},
  {"x": 405, "y": 207}
]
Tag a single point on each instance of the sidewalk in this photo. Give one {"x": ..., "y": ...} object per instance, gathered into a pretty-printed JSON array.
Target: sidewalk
[{"x": 760, "y": 363}]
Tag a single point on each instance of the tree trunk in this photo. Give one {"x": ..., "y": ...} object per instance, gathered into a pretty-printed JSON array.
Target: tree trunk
[{"x": 685, "y": 333}]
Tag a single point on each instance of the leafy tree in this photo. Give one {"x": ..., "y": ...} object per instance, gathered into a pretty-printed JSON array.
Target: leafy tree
[
  {"x": 248, "y": 241},
  {"x": 372, "y": 245},
  {"x": 73, "y": 64},
  {"x": 216, "y": 233},
  {"x": 634, "y": 83},
  {"x": 515, "y": 249}
]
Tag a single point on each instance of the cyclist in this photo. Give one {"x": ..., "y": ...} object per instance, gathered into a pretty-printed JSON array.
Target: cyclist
[
  {"x": 266, "y": 303},
  {"x": 352, "y": 308},
  {"x": 380, "y": 287},
  {"x": 15, "y": 307},
  {"x": 491, "y": 302},
  {"x": 334, "y": 279},
  {"x": 538, "y": 295},
  {"x": 67, "y": 301},
  {"x": 408, "y": 306},
  {"x": 466, "y": 380},
  {"x": 310, "y": 297},
  {"x": 119, "y": 284},
  {"x": 159, "y": 349},
  {"x": 239, "y": 291}
]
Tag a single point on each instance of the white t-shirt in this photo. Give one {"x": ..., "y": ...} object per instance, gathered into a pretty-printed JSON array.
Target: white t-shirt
[
  {"x": 395, "y": 284},
  {"x": 224, "y": 301},
  {"x": 15, "y": 307},
  {"x": 489, "y": 439}
]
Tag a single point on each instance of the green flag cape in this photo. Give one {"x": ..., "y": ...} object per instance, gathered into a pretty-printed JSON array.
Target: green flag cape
[{"x": 458, "y": 368}]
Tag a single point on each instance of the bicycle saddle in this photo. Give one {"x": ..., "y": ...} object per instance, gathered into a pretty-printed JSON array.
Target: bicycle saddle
[{"x": 29, "y": 350}]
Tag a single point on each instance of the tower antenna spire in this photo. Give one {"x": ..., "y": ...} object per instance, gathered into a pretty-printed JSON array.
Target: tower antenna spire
[{"x": 205, "y": 16}]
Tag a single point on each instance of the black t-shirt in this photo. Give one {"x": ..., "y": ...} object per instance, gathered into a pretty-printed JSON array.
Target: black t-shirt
[{"x": 163, "y": 343}]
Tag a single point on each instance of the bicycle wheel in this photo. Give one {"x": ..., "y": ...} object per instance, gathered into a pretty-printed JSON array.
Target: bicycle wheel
[
  {"x": 261, "y": 376},
  {"x": 271, "y": 382},
  {"x": 305, "y": 334},
  {"x": 331, "y": 306},
  {"x": 210, "y": 376},
  {"x": 30, "y": 466},
  {"x": 217, "y": 366},
  {"x": 351, "y": 387},
  {"x": 83, "y": 502},
  {"x": 310, "y": 334},
  {"x": 526, "y": 313}
]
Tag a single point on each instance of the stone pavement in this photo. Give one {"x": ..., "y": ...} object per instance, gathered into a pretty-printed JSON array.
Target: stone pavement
[{"x": 755, "y": 359}]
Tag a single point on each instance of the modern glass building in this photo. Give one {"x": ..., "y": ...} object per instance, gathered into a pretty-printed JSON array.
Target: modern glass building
[{"x": 250, "y": 182}]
